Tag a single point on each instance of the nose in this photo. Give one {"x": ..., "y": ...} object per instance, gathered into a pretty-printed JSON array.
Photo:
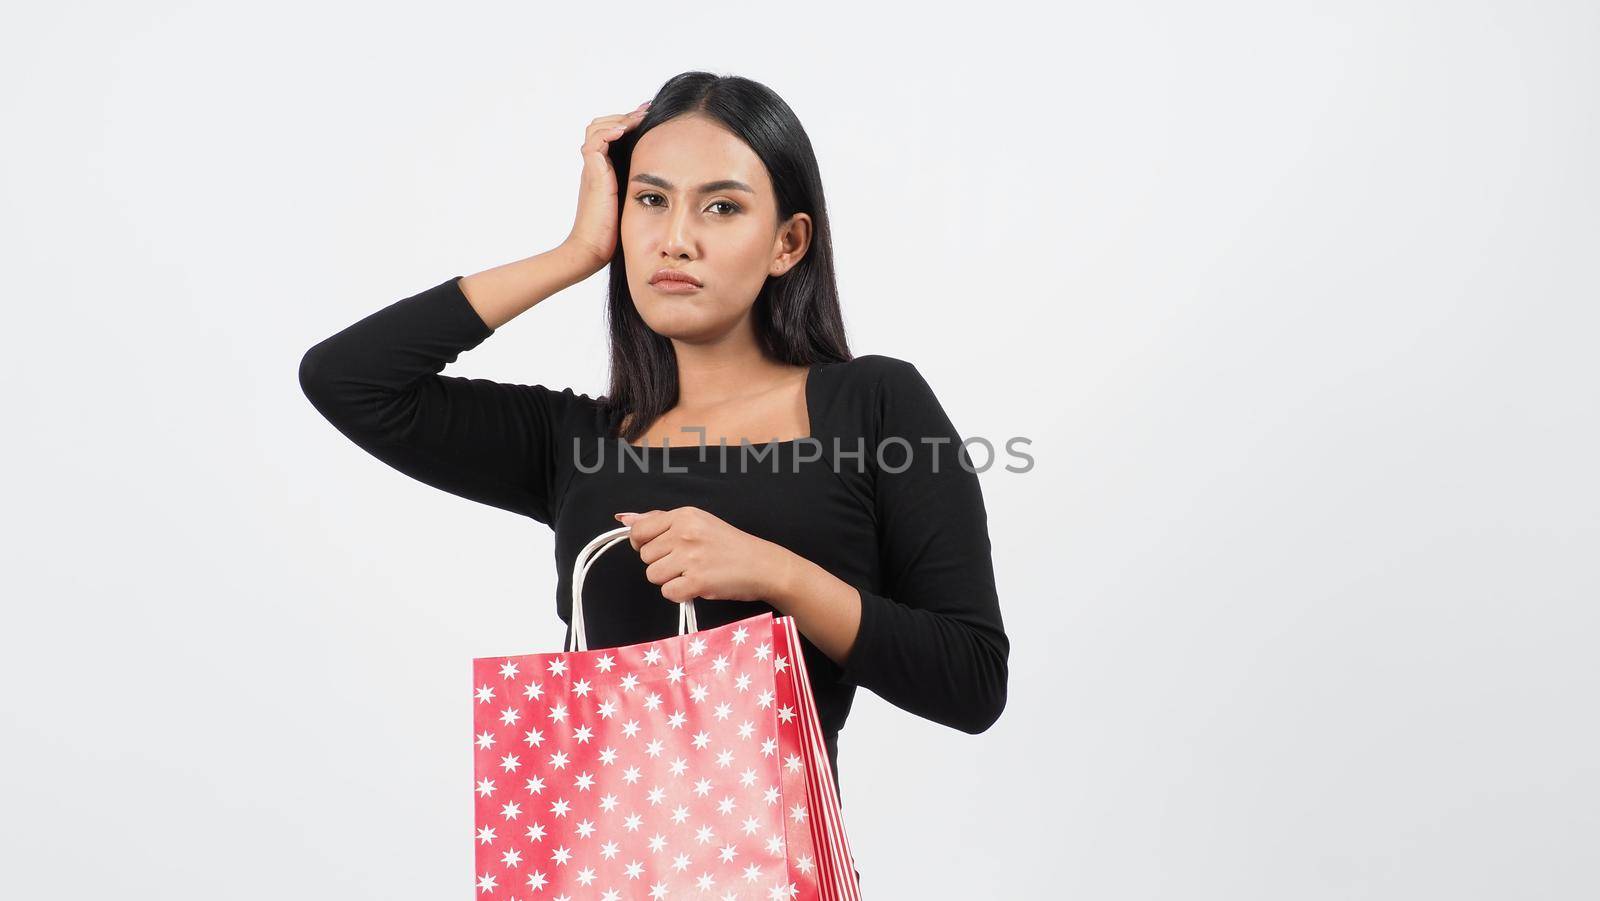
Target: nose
[{"x": 679, "y": 237}]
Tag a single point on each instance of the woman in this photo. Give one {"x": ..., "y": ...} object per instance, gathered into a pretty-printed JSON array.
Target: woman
[{"x": 759, "y": 465}]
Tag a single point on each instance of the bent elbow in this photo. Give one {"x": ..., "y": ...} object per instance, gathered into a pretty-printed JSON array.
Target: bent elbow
[
  {"x": 986, "y": 714},
  {"x": 990, "y": 702},
  {"x": 310, "y": 377},
  {"x": 326, "y": 384}
]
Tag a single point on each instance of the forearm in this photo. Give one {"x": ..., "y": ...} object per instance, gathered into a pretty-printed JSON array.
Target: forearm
[
  {"x": 826, "y": 609},
  {"x": 966, "y": 689},
  {"x": 507, "y": 291}
]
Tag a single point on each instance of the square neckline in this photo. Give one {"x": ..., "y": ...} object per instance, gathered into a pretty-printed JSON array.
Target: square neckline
[{"x": 811, "y": 426}]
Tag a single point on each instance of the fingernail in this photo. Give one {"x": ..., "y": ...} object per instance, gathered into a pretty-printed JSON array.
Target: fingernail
[{"x": 619, "y": 516}]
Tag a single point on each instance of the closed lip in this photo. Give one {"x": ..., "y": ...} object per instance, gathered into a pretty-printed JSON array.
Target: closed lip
[{"x": 675, "y": 275}]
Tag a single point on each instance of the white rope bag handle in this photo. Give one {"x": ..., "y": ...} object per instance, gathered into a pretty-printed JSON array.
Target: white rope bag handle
[{"x": 578, "y": 640}]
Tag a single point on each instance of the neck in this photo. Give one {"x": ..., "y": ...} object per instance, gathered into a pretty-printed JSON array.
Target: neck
[{"x": 712, "y": 375}]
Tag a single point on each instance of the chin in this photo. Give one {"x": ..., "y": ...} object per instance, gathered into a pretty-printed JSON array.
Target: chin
[
  {"x": 676, "y": 317},
  {"x": 691, "y": 332}
]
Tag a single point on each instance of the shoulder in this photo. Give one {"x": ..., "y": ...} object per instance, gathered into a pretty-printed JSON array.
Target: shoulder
[
  {"x": 565, "y": 410},
  {"x": 873, "y": 363},
  {"x": 881, "y": 395},
  {"x": 585, "y": 414},
  {"x": 571, "y": 397},
  {"x": 557, "y": 397},
  {"x": 885, "y": 379},
  {"x": 873, "y": 371},
  {"x": 888, "y": 402}
]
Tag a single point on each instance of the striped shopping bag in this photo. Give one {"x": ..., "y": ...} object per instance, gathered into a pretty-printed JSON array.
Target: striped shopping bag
[{"x": 688, "y": 767}]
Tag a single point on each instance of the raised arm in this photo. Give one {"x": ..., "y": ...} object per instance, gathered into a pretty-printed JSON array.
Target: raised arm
[
  {"x": 934, "y": 643},
  {"x": 378, "y": 382}
]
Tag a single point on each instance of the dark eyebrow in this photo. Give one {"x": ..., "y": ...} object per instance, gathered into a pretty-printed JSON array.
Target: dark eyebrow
[{"x": 726, "y": 184}]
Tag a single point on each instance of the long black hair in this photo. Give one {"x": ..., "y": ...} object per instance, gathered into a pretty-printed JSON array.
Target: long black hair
[{"x": 796, "y": 315}]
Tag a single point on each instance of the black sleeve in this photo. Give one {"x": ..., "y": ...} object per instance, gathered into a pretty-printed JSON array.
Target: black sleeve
[
  {"x": 936, "y": 645},
  {"x": 378, "y": 382}
]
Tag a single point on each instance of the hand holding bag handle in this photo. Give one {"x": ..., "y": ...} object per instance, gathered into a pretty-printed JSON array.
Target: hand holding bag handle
[{"x": 578, "y": 640}]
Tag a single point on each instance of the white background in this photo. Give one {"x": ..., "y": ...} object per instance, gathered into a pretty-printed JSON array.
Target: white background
[{"x": 1295, "y": 301}]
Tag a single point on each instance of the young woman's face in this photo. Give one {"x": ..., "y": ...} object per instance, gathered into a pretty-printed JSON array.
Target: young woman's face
[{"x": 727, "y": 237}]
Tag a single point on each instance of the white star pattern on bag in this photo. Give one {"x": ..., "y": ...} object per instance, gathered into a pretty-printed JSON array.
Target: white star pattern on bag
[{"x": 651, "y": 770}]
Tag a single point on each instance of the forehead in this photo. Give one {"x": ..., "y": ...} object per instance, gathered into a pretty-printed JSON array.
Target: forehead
[{"x": 689, "y": 151}]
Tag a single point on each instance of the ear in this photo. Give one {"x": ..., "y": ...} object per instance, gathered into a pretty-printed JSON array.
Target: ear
[{"x": 794, "y": 239}]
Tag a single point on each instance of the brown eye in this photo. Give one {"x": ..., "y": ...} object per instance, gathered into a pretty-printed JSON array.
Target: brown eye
[{"x": 733, "y": 208}]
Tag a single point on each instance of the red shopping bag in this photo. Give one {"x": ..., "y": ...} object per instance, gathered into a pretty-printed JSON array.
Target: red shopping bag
[{"x": 688, "y": 767}]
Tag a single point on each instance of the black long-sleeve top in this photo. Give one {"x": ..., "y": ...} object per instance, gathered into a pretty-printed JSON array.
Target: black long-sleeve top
[{"x": 905, "y": 525}]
